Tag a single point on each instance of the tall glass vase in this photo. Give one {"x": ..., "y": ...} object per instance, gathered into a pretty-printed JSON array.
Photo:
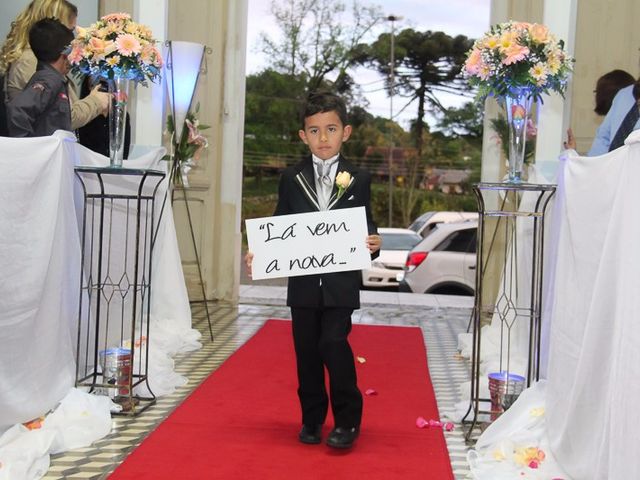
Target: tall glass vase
[
  {"x": 518, "y": 105},
  {"x": 119, "y": 92}
]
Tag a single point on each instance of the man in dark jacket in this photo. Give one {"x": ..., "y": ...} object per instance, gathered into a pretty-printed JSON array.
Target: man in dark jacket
[{"x": 43, "y": 106}]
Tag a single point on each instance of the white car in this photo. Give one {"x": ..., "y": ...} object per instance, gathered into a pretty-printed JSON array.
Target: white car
[
  {"x": 396, "y": 244},
  {"x": 444, "y": 262},
  {"x": 426, "y": 222}
]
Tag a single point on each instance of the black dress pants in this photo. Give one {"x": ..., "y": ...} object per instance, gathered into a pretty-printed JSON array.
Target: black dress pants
[{"x": 320, "y": 340}]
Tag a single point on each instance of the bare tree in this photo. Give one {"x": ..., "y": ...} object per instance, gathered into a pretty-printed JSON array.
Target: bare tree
[{"x": 317, "y": 39}]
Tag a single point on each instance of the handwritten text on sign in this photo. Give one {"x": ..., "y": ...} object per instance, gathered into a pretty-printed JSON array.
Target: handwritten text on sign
[{"x": 307, "y": 243}]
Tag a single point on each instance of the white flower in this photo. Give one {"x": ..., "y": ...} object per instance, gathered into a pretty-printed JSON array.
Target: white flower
[{"x": 343, "y": 180}]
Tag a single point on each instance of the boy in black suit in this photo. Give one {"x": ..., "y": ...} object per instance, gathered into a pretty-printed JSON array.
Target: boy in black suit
[{"x": 321, "y": 305}]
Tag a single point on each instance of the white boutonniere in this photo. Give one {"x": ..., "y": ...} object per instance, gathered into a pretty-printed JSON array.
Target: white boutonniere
[{"x": 343, "y": 180}]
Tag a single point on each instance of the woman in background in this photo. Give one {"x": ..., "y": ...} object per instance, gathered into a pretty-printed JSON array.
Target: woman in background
[
  {"x": 607, "y": 87},
  {"x": 18, "y": 63}
]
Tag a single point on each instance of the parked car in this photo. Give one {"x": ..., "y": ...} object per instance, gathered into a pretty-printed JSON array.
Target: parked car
[
  {"x": 425, "y": 223},
  {"x": 444, "y": 262},
  {"x": 396, "y": 244}
]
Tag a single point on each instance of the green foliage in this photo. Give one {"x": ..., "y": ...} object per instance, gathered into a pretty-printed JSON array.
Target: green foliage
[
  {"x": 272, "y": 119},
  {"x": 426, "y": 201},
  {"x": 464, "y": 121},
  {"x": 437, "y": 201},
  {"x": 191, "y": 141},
  {"x": 189, "y": 148},
  {"x": 501, "y": 127},
  {"x": 272, "y": 122}
]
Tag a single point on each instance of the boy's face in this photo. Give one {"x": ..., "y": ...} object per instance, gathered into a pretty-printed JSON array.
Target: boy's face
[{"x": 324, "y": 134}]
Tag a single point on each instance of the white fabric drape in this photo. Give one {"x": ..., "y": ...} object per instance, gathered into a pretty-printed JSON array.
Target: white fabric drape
[
  {"x": 39, "y": 276},
  {"x": 594, "y": 358},
  {"x": 40, "y": 210},
  {"x": 589, "y": 331}
]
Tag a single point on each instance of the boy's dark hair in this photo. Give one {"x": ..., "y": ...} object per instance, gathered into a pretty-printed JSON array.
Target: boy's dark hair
[
  {"x": 48, "y": 39},
  {"x": 321, "y": 102}
]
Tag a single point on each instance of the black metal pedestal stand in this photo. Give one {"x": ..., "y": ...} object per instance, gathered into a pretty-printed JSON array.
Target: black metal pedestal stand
[
  {"x": 112, "y": 351},
  {"x": 507, "y": 307}
]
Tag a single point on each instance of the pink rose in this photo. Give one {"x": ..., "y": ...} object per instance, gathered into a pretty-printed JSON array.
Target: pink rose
[
  {"x": 116, "y": 17},
  {"x": 75, "y": 56},
  {"x": 474, "y": 62},
  {"x": 539, "y": 33},
  {"x": 518, "y": 112}
]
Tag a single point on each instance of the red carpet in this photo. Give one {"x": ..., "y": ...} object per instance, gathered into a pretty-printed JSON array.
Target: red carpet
[{"x": 243, "y": 421}]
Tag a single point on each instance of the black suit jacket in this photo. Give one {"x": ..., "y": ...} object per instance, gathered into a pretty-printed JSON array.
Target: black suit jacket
[{"x": 297, "y": 194}]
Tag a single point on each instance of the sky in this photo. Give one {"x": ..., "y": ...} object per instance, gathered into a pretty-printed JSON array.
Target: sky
[{"x": 454, "y": 17}]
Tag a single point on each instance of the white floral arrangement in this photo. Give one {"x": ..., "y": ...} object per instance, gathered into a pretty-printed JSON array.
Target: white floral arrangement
[
  {"x": 513, "y": 56},
  {"x": 116, "y": 46}
]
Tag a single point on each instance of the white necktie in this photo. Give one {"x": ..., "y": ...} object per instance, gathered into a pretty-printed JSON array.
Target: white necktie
[{"x": 325, "y": 182}]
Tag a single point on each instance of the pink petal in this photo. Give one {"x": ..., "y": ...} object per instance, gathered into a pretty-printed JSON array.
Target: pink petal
[
  {"x": 421, "y": 422},
  {"x": 448, "y": 426},
  {"x": 435, "y": 423},
  {"x": 370, "y": 391}
]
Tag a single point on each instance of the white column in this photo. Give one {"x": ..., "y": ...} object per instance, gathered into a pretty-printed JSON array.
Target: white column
[
  {"x": 554, "y": 115},
  {"x": 491, "y": 149},
  {"x": 233, "y": 102},
  {"x": 232, "y": 146},
  {"x": 149, "y": 120}
]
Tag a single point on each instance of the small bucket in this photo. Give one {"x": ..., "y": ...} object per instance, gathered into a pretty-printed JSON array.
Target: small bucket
[
  {"x": 116, "y": 369},
  {"x": 504, "y": 389}
]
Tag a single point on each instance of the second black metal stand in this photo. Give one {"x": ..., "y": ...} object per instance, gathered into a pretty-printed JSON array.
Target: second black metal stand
[{"x": 517, "y": 301}]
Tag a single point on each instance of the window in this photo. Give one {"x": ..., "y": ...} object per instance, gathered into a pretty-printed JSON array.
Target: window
[
  {"x": 463, "y": 241},
  {"x": 420, "y": 221},
  {"x": 399, "y": 241},
  {"x": 430, "y": 228}
]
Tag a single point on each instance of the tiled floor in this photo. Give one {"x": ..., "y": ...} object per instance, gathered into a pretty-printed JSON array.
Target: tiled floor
[{"x": 440, "y": 317}]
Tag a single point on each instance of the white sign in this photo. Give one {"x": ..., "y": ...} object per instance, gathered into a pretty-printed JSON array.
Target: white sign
[{"x": 308, "y": 243}]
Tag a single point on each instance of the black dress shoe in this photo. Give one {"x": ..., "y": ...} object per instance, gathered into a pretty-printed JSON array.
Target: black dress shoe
[
  {"x": 310, "y": 434},
  {"x": 341, "y": 437}
]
